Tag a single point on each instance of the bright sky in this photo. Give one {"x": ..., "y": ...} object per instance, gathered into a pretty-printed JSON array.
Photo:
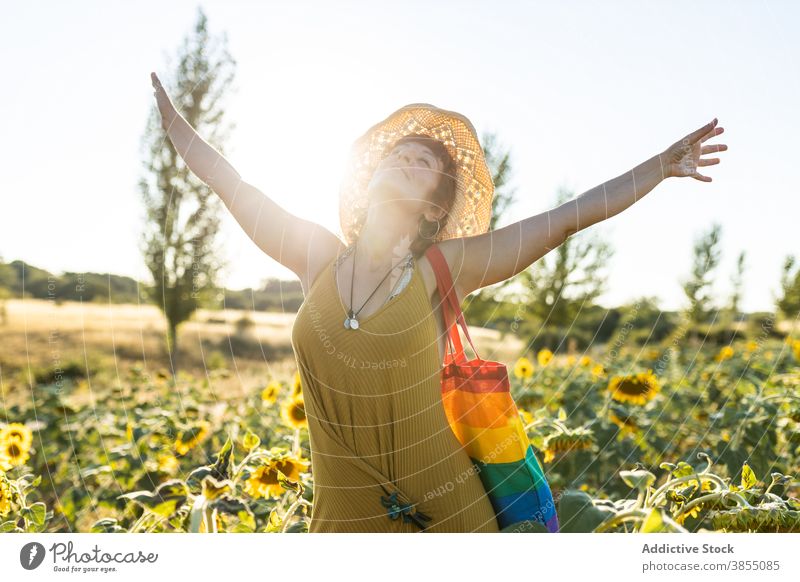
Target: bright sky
[{"x": 580, "y": 91}]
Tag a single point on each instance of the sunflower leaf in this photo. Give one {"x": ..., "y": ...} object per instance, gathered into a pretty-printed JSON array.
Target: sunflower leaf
[
  {"x": 577, "y": 512},
  {"x": 683, "y": 469},
  {"x": 654, "y": 523},
  {"x": 640, "y": 479},
  {"x": 274, "y": 523},
  {"x": 37, "y": 513},
  {"x": 165, "y": 501},
  {"x": 749, "y": 479},
  {"x": 224, "y": 460}
]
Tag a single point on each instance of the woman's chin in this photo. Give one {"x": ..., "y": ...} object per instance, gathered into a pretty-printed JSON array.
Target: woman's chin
[{"x": 389, "y": 189}]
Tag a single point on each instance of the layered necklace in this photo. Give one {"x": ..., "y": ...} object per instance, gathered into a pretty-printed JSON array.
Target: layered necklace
[{"x": 351, "y": 321}]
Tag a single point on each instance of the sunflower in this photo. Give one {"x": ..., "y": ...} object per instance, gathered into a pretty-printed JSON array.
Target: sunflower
[
  {"x": 544, "y": 356},
  {"x": 167, "y": 463},
  {"x": 560, "y": 443},
  {"x": 585, "y": 361},
  {"x": 291, "y": 466},
  {"x": 693, "y": 512},
  {"x": 188, "y": 439},
  {"x": 297, "y": 384},
  {"x": 724, "y": 354},
  {"x": 12, "y": 454},
  {"x": 796, "y": 349},
  {"x": 571, "y": 360},
  {"x": 523, "y": 368},
  {"x": 293, "y": 412},
  {"x": 598, "y": 370},
  {"x": 18, "y": 432},
  {"x": 751, "y": 346},
  {"x": 625, "y": 422},
  {"x": 270, "y": 394},
  {"x": 5, "y": 496},
  {"x": 636, "y": 388},
  {"x": 263, "y": 482}
]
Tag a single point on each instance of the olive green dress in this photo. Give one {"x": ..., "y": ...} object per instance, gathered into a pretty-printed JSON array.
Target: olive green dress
[{"x": 383, "y": 456}]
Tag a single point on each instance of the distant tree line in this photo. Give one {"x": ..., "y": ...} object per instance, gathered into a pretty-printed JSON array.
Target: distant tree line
[{"x": 19, "y": 279}]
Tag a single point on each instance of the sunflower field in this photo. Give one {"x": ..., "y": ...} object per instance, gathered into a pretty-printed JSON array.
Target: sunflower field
[{"x": 651, "y": 440}]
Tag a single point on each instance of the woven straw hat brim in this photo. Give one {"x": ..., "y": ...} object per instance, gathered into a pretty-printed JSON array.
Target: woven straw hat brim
[{"x": 472, "y": 208}]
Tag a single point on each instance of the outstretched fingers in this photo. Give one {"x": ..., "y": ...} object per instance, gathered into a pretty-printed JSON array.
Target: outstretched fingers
[
  {"x": 708, "y": 161},
  {"x": 712, "y": 133},
  {"x": 156, "y": 83},
  {"x": 712, "y": 149},
  {"x": 701, "y": 132}
]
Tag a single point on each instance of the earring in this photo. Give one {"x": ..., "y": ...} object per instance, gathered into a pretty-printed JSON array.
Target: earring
[{"x": 431, "y": 237}]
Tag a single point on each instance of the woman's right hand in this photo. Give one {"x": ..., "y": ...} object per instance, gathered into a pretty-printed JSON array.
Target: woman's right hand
[{"x": 165, "y": 106}]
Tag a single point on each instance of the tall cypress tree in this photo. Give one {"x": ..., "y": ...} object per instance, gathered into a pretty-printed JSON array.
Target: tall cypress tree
[{"x": 183, "y": 213}]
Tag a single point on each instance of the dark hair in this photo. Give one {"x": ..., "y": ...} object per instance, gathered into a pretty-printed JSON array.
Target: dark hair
[{"x": 442, "y": 197}]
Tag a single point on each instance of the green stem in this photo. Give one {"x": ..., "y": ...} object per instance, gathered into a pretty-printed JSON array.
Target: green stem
[
  {"x": 296, "y": 443},
  {"x": 693, "y": 477},
  {"x": 155, "y": 524},
  {"x": 290, "y": 512},
  {"x": 722, "y": 495},
  {"x": 196, "y": 515},
  {"x": 606, "y": 406},
  {"x": 637, "y": 515},
  {"x": 548, "y": 421},
  {"x": 210, "y": 519},
  {"x": 623, "y": 516},
  {"x": 138, "y": 523}
]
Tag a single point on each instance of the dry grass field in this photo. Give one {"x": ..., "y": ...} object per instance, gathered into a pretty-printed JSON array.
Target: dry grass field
[{"x": 39, "y": 334}]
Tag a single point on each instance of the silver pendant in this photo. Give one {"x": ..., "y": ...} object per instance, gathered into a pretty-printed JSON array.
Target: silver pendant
[{"x": 350, "y": 323}]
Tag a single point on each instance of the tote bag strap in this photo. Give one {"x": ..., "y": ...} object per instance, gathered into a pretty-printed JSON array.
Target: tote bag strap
[{"x": 450, "y": 306}]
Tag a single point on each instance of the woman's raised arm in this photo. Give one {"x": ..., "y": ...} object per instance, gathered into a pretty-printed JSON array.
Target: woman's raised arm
[
  {"x": 298, "y": 244},
  {"x": 495, "y": 256}
]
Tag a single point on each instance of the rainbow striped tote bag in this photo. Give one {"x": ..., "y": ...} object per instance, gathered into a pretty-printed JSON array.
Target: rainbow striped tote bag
[{"x": 483, "y": 416}]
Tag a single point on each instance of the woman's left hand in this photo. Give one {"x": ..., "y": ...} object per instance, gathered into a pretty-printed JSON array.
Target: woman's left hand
[{"x": 683, "y": 157}]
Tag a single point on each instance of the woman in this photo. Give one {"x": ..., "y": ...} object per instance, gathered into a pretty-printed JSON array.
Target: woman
[{"x": 368, "y": 338}]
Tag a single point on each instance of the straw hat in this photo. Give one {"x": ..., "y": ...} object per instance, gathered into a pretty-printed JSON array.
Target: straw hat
[{"x": 472, "y": 207}]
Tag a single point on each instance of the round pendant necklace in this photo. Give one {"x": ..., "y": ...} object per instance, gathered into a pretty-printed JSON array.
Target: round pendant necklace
[{"x": 351, "y": 321}]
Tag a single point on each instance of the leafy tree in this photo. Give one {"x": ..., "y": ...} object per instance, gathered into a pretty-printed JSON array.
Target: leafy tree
[
  {"x": 483, "y": 305},
  {"x": 498, "y": 159},
  {"x": 737, "y": 281},
  {"x": 183, "y": 213},
  {"x": 8, "y": 279},
  {"x": 706, "y": 256},
  {"x": 567, "y": 280},
  {"x": 789, "y": 301}
]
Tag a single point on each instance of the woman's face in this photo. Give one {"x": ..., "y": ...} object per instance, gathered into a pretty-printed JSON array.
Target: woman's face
[{"x": 410, "y": 172}]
